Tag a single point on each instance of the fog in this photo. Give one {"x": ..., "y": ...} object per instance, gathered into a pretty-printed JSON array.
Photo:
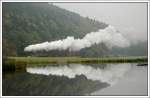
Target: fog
[{"x": 129, "y": 18}]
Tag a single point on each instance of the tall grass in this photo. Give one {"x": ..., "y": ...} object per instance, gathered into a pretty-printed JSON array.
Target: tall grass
[
  {"x": 20, "y": 63},
  {"x": 36, "y": 60}
]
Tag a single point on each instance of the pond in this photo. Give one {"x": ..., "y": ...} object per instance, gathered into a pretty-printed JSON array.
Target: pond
[{"x": 77, "y": 79}]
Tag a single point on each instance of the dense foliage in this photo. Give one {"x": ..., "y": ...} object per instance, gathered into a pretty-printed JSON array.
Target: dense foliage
[{"x": 29, "y": 23}]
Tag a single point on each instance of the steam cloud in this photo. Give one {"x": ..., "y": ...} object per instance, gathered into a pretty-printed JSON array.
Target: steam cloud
[
  {"x": 110, "y": 74},
  {"x": 109, "y": 36}
]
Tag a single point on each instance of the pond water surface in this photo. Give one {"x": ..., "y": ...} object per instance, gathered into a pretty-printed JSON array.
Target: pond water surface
[{"x": 77, "y": 79}]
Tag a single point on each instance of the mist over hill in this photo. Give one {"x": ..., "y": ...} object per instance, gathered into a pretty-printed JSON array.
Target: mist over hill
[{"x": 29, "y": 23}]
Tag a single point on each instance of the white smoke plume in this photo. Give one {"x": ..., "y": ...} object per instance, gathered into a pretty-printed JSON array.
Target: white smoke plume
[
  {"x": 110, "y": 36},
  {"x": 110, "y": 74}
]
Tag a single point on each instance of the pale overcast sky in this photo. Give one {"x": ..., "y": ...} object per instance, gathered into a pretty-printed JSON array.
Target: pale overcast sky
[{"x": 129, "y": 18}]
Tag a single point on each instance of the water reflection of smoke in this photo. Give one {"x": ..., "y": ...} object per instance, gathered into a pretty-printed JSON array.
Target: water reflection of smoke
[{"x": 110, "y": 74}]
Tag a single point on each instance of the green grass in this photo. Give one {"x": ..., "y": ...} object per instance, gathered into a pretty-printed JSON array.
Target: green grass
[
  {"x": 39, "y": 60},
  {"x": 20, "y": 63}
]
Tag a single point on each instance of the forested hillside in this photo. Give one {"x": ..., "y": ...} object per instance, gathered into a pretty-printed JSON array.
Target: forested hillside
[
  {"x": 136, "y": 49},
  {"x": 29, "y": 23}
]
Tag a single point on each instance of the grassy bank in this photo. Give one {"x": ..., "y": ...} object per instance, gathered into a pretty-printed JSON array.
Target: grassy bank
[
  {"x": 39, "y": 60},
  {"x": 20, "y": 63},
  {"x": 13, "y": 65}
]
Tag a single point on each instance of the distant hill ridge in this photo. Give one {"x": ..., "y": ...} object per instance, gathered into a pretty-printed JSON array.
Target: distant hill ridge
[{"x": 29, "y": 23}]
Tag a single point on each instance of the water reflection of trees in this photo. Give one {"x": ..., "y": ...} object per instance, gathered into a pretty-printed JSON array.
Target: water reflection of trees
[{"x": 32, "y": 84}]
